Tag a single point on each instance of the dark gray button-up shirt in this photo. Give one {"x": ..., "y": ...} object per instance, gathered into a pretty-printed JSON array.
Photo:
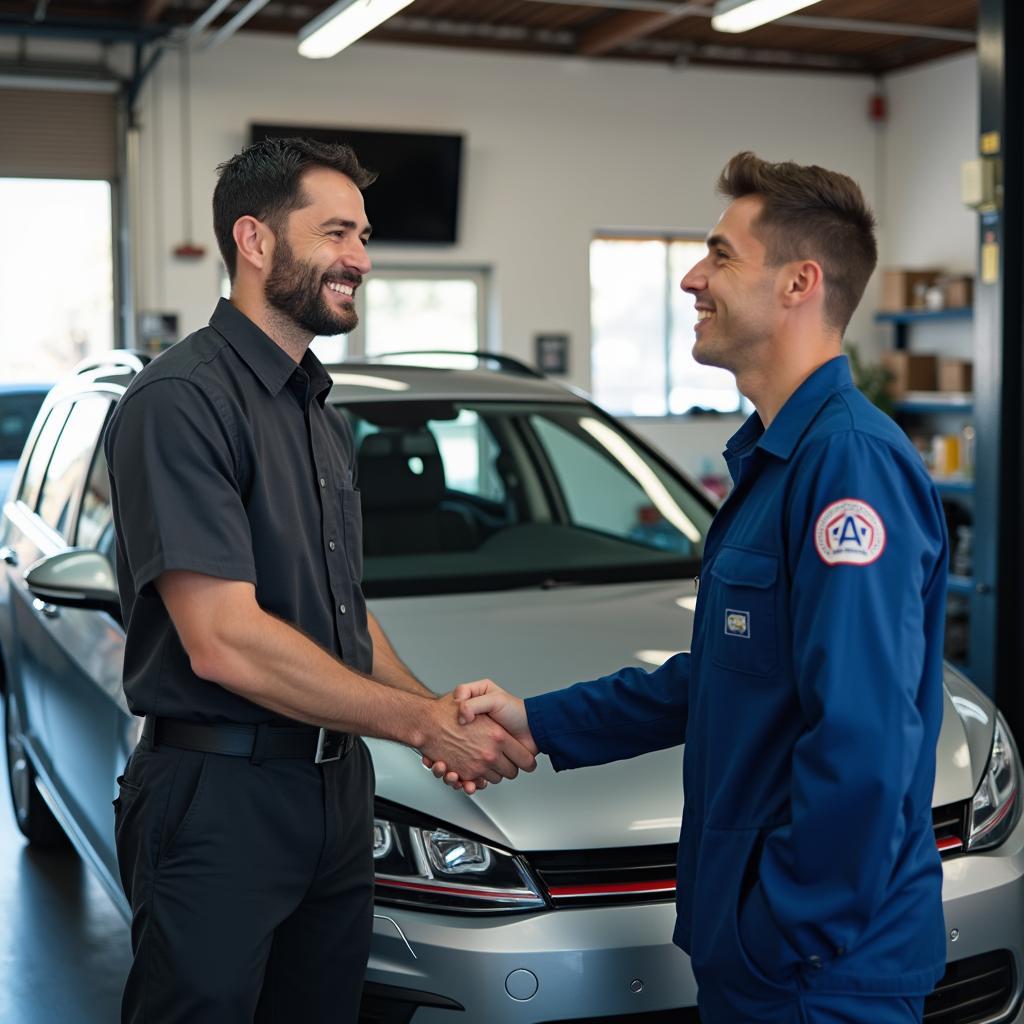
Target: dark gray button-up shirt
[{"x": 225, "y": 460}]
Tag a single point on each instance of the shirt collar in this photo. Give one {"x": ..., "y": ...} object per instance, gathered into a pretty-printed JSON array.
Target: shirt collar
[
  {"x": 272, "y": 366},
  {"x": 793, "y": 419}
]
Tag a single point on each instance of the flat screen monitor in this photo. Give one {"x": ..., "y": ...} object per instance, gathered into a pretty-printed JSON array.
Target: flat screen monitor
[{"x": 416, "y": 195}]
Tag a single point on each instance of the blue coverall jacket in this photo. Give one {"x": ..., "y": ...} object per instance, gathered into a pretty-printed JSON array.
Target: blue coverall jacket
[{"x": 810, "y": 705}]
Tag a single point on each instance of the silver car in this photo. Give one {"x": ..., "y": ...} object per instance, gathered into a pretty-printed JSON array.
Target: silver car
[{"x": 512, "y": 529}]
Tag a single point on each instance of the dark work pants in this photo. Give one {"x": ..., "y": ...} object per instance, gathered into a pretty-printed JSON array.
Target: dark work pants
[{"x": 251, "y": 887}]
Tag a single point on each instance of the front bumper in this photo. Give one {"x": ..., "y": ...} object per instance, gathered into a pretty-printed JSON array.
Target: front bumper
[
  {"x": 582, "y": 963},
  {"x": 982, "y": 897},
  {"x": 611, "y": 961}
]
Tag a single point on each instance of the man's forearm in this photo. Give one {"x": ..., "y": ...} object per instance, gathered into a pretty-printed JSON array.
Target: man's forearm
[
  {"x": 276, "y": 666},
  {"x": 388, "y": 667}
]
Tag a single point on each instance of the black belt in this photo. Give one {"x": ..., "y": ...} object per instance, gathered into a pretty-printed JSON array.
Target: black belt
[{"x": 257, "y": 742}]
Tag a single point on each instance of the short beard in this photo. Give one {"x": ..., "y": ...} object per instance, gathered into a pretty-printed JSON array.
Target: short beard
[{"x": 293, "y": 288}]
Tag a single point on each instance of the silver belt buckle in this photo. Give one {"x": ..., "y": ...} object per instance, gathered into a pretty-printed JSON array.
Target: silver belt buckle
[{"x": 329, "y": 746}]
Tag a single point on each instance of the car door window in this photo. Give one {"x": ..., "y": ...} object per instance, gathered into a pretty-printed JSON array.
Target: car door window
[
  {"x": 96, "y": 519},
  {"x": 66, "y": 472},
  {"x": 17, "y": 414},
  {"x": 41, "y": 452},
  {"x": 607, "y": 486}
]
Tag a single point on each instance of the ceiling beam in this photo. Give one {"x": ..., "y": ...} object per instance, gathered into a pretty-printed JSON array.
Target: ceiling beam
[
  {"x": 619, "y": 29},
  {"x": 153, "y": 10}
]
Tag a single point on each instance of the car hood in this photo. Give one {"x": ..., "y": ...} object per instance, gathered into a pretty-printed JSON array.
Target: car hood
[{"x": 535, "y": 640}]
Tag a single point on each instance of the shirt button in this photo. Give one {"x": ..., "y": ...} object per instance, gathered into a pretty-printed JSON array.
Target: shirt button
[
  {"x": 342, "y": 609},
  {"x": 323, "y": 482},
  {"x": 331, "y": 544}
]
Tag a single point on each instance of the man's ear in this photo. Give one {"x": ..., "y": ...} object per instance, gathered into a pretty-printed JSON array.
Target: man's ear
[
  {"x": 254, "y": 241},
  {"x": 802, "y": 280}
]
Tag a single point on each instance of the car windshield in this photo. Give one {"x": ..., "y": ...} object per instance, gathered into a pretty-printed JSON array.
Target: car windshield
[
  {"x": 17, "y": 414},
  {"x": 466, "y": 495}
]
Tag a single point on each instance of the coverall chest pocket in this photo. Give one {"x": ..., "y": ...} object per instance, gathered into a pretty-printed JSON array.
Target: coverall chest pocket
[{"x": 741, "y": 617}]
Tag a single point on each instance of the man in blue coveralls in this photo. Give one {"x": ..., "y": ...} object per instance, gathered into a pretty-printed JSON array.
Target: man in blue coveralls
[{"x": 809, "y": 885}]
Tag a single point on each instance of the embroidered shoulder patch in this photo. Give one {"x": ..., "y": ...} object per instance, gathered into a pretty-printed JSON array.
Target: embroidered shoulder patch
[{"x": 849, "y": 532}]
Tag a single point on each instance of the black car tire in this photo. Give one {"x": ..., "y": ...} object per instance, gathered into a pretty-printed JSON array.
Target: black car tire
[{"x": 35, "y": 819}]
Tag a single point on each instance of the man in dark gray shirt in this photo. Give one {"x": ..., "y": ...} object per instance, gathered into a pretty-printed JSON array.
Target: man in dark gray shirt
[{"x": 244, "y": 817}]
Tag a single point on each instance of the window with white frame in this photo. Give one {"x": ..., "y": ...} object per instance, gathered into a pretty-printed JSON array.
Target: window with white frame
[
  {"x": 404, "y": 310},
  {"x": 47, "y": 327},
  {"x": 642, "y": 327}
]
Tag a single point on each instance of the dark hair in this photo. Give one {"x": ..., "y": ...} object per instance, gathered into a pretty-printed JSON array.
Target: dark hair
[
  {"x": 810, "y": 213},
  {"x": 265, "y": 181}
]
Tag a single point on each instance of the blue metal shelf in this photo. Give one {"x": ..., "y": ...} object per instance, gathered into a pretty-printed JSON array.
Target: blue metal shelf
[
  {"x": 954, "y": 486},
  {"x": 934, "y": 406},
  {"x": 913, "y": 316},
  {"x": 960, "y": 585}
]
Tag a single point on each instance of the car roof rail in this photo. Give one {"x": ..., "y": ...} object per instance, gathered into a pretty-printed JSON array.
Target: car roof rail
[
  {"x": 118, "y": 359},
  {"x": 504, "y": 363}
]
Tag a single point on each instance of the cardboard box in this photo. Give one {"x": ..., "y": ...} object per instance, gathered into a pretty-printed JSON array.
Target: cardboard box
[
  {"x": 958, "y": 292},
  {"x": 900, "y": 288},
  {"x": 955, "y": 375},
  {"x": 911, "y": 371}
]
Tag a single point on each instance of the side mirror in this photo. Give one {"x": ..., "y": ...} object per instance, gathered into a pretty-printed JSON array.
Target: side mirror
[{"x": 75, "y": 579}]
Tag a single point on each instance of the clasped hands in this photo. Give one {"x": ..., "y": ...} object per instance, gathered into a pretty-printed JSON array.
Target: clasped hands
[{"x": 483, "y": 736}]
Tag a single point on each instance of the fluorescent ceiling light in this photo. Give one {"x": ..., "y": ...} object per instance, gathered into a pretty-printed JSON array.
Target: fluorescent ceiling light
[
  {"x": 343, "y": 23},
  {"x": 743, "y": 15}
]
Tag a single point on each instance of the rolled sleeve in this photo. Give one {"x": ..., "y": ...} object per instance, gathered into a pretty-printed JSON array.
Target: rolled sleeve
[{"x": 178, "y": 502}]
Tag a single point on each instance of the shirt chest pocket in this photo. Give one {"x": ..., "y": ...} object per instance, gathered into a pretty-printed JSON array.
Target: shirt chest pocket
[{"x": 741, "y": 617}]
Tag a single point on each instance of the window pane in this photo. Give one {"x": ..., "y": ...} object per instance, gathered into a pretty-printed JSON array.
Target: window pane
[
  {"x": 469, "y": 453},
  {"x": 572, "y": 497},
  {"x": 18, "y": 411},
  {"x": 407, "y": 313},
  {"x": 627, "y": 315},
  {"x": 36, "y": 468},
  {"x": 70, "y": 462},
  {"x": 95, "y": 521},
  {"x": 609, "y": 486},
  {"x": 56, "y": 304},
  {"x": 692, "y": 385}
]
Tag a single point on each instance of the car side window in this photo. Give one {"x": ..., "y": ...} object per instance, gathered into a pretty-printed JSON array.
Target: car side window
[
  {"x": 96, "y": 519},
  {"x": 66, "y": 472},
  {"x": 41, "y": 452}
]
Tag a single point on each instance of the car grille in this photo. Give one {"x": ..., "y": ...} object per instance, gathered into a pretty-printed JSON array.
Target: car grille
[
  {"x": 976, "y": 989},
  {"x": 630, "y": 874},
  {"x": 950, "y": 823},
  {"x": 647, "y": 874}
]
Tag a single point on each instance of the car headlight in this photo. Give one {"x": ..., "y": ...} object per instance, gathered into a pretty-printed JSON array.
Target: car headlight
[
  {"x": 426, "y": 864},
  {"x": 995, "y": 806}
]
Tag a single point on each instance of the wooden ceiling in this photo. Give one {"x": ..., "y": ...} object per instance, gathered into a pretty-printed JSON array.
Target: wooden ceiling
[{"x": 860, "y": 36}]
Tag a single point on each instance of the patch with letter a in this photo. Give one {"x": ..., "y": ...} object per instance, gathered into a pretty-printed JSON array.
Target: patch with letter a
[{"x": 849, "y": 532}]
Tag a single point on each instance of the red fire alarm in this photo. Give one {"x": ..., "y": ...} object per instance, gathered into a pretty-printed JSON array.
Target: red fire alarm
[
  {"x": 189, "y": 251},
  {"x": 878, "y": 108}
]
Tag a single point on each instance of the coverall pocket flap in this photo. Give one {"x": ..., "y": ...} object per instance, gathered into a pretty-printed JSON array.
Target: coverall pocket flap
[{"x": 741, "y": 568}]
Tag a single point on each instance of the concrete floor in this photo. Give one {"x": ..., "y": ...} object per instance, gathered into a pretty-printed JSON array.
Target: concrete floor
[{"x": 64, "y": 949}]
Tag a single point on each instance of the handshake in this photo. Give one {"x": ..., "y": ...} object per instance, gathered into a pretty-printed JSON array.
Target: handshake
[{"x": 483, "y": 737}]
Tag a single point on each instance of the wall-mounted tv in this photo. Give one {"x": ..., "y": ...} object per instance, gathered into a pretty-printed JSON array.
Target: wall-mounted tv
[{"x": 416, "y": 196}]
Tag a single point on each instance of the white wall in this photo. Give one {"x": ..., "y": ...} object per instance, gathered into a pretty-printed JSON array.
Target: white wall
[
  {"x": 932, "y": 129},
  {"x": 556, "y": 148}
]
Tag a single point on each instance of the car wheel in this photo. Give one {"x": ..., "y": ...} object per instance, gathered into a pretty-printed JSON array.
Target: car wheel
[{"x": 34, "y": 817}]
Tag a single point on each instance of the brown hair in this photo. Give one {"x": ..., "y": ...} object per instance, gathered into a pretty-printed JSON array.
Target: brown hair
[
  {"x": 810, "y": 213},
  {"x": 265, "y": 181}
]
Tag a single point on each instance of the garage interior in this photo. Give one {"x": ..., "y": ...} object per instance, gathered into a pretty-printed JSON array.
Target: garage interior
[{"x": 591, "y": 135}]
